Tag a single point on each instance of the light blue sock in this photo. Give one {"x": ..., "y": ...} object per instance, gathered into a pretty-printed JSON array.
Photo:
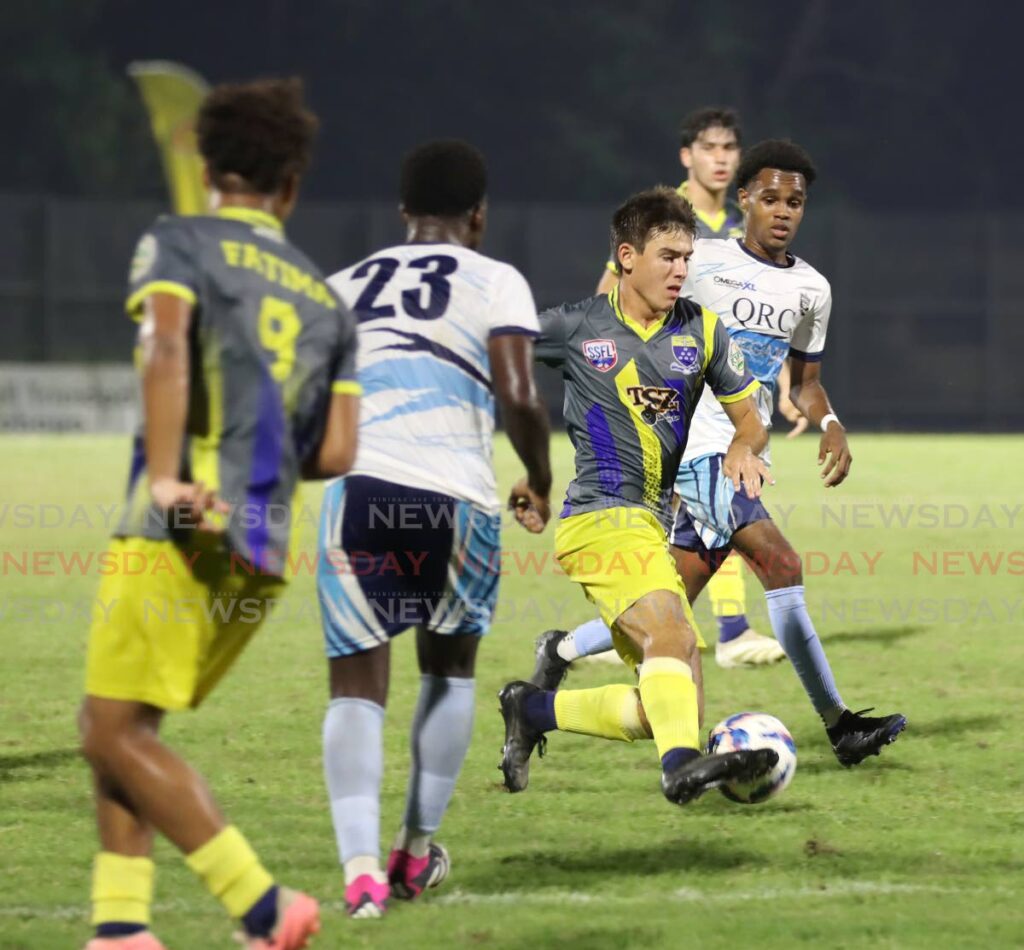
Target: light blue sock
[
  {"x": 353, "y": 763},
  {"x": 441, "y": 730},
  {"x": 793, "y": 629},
  {"x": 592, "y": 637}
]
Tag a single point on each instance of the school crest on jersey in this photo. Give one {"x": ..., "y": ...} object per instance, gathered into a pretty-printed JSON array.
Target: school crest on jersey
[
  {"x": 601, "y": 354},
  {"x": 685, "y": 355}
]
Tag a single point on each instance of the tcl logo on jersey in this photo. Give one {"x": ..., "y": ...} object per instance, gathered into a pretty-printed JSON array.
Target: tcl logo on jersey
[{"x": 653, "y": 401}]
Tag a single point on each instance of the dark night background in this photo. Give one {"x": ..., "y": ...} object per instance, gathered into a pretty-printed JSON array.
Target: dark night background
[
  {"x": 906, "y": 105},
  {"x": 910, "y": 109}
]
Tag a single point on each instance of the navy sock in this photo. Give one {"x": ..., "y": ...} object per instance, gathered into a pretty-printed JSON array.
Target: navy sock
[
  {"x": 114, "y": 928},
  {"x": 259, "y": 919},
  {"x": 729, "y": 628},
  {"x": 539, "y": 709},
  {"x": 676, "y": 757}
]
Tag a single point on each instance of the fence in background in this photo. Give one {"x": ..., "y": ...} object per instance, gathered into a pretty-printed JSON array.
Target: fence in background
[{"x": 926, "y": 328}]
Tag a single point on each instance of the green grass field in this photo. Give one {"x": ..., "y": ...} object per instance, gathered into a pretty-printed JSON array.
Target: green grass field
[{"x": 923, "y": 847}]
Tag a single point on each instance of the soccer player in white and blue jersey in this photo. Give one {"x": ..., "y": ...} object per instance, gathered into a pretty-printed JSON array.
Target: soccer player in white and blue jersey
[
  {"x": 773, "y": 305},
  {"x": 410, "y": 536}
]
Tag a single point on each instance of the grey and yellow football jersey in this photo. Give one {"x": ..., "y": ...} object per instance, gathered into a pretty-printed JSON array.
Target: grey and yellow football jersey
[
  {"x": 630, "y": 392},
  {"x": 268, "y": 343},
  {"x": 726, "y": 224}
]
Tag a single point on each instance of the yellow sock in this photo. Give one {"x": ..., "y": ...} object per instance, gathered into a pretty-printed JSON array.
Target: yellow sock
[
  {"x": 670, "y": 702},
  {"x": 122, "y": 889},
  {"x": 726, "y": 589},
  {"x": 611, "y": 712},
  {"x": 231, "y": 871}
]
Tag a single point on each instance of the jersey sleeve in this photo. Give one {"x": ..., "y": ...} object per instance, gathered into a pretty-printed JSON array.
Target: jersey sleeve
[
  {"x": 164, "y": 263},
  {"x": 345, "y": 380},
  {"x": 726, "y": 371},
  {"x": 550, "y": 347},
  {"x": 512, "y": 309},
  {"x": 808, "y": 342}
]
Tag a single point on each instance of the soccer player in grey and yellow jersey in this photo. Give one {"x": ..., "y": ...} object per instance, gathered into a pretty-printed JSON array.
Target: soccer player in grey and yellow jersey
[
  {"x": 248, "y": 369},
  {"x": 709, "y": 150},
  {"x": 635, "y": 363}
]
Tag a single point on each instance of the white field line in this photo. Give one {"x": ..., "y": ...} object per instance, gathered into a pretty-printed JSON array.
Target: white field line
[
  {"x": 689, "y": 895},
  {"x": 558, "y": 898}
]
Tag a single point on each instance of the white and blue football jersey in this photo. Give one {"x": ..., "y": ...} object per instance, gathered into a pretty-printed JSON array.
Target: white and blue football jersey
[
  {"x": 770, "y": 310},
  {"x": 425, "y": 314}
]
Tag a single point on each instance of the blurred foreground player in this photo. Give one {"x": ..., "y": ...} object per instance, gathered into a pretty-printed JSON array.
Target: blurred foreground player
[
  {"x": 242, "y": 345},
  {"x": 635, "y": 362},
  {"x": 710, "y": 140},
  {"x": 411, "y": 536},
  {"x": 775, "y": 306}
]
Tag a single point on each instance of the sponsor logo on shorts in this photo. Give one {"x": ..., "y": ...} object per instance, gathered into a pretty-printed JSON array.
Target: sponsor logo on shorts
[
  {"x": 685, "y": 353},
  {"x": 601, "y": 354}
]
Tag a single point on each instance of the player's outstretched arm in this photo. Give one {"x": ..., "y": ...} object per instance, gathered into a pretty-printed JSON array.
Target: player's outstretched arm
[
  {"x": 163, "y": 339},
  {"x": 526, "y": 422},
  {"x": 809, "y": 396},
  {"x": 741, "y": 462},
  {"x": 337, "y": 452}
]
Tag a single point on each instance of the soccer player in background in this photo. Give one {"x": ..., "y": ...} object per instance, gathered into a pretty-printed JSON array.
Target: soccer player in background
[
  {"x": 774, "y": 305},
  {"x": 635, "y": 362},
  {"x": 248, "y": 377},
  {"x": 411, "y": 536},
  {"x": 709, "y": 150}
]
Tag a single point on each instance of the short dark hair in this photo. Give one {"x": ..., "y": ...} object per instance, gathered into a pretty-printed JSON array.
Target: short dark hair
[
  {"x": 649, "y": 213},
  {"x": 783, "y": 154},
  {"x": 261, "y": 131},
  {"x": 708, "y": 118},
  {"x": 445, "y": 178}
]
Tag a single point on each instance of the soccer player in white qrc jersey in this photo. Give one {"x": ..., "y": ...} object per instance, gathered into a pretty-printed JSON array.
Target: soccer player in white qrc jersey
[
  {"x": 773, "y": 305},
  {"x": 410, "y": 537}
]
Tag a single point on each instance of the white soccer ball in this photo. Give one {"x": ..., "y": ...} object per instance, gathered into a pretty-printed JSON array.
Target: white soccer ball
[{"x": 749, "y": 730}]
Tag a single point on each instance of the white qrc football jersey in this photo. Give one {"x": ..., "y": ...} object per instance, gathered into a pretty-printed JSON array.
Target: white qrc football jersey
[
  {"x": 769, "y": 310},
  {"x": 426, "y": 313}
]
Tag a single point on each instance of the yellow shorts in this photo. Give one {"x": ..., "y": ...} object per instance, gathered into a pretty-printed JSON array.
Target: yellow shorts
[
  {"x": 169, "y": 621},
  {"x": 618, "y": 555}
]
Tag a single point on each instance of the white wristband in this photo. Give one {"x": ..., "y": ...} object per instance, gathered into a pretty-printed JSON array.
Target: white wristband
[{"x": 831, "y": 417}]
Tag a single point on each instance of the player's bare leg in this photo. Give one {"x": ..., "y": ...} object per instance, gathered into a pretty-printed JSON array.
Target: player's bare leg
[
  {"x": 124, "y": 866},
  {"x": 748, "y": 648},
  {"x": 441, "y": 732},
  {"x": 353, "y": 737},
  {"x": 141, "y": 785},
  {"x": 669, "y": 692},
  {"x": 778, "y": 567},
  {"x": 121, "y": 742}
]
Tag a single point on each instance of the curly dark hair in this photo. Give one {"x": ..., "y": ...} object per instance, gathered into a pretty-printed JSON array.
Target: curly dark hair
[
  {"x": 261, "y": 131},
  {"x": 444, "y": 178},
  {"x": 782, "y": 154},
  {"x": 708, "y": 118},
  {"x": 648, "y": 214}
]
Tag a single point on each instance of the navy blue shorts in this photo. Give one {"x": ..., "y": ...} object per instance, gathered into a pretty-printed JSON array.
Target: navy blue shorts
[
  {"x": 392, "y": 557},
  {"x": 712, "y": 510}
]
